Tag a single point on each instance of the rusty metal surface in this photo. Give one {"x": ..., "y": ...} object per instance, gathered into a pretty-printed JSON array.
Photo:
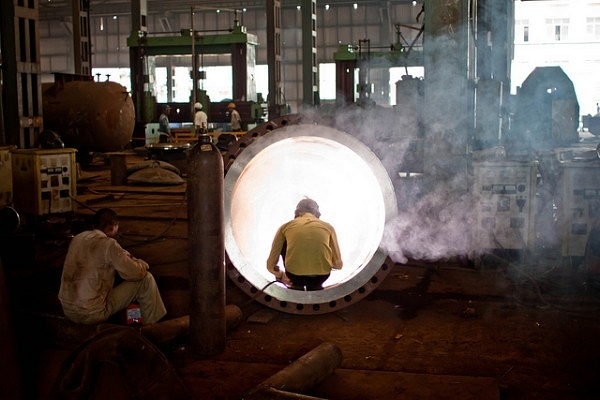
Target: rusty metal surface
[{"x": 90, "y": 116}]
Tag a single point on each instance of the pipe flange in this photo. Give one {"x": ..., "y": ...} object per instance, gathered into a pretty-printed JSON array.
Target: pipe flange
[{"x": 265, "y": 178}]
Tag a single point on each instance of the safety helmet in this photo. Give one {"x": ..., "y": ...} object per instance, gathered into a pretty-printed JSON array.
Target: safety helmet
[
  {"x": 231, "y": 105},
  {"x": 198, "y": 106}
]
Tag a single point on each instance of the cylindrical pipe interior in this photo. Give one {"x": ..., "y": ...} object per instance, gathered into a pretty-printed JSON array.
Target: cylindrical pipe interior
[{"x": 270, "y": 176}]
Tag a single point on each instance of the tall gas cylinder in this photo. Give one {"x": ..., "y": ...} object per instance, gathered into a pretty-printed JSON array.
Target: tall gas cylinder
[
  {"x": 206, "y": 251},
  {"x": 89, "y": 116}
]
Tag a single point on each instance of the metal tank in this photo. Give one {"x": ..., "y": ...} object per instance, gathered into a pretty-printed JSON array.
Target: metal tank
[
  {"x": 89, "y": 116},
  {"x": 268, "y": 171}
]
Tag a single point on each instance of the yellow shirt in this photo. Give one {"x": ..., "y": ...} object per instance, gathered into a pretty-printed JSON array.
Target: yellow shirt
[{"x": 311, "y": 247}]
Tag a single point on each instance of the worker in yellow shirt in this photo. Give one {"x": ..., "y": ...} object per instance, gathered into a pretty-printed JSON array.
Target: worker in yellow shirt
[{"x": 309, "y": 248}]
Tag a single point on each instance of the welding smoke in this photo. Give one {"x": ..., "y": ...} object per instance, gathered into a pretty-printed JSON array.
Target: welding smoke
[{"x": 434, "y": 215}]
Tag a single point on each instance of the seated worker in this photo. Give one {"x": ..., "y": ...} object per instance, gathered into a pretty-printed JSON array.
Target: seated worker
[
  {"x": 87, "y": 291},
  {"x": 309, "y": 248}
]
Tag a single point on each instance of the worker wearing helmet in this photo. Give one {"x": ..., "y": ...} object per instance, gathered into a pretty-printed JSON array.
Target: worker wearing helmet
[
  {"x": 200, "y": 120},
  {"x": 236, "y": 120},
  {"x": 309, "y": 249}
]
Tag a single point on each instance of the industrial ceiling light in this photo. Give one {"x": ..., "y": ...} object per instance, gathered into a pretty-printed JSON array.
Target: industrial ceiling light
[
  {"x": 355, "y": 6},
  {"x": 354, "y": 192}
]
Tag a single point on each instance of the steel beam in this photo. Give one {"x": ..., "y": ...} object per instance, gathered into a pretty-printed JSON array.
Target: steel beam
[{"x": 21, "y": 77}]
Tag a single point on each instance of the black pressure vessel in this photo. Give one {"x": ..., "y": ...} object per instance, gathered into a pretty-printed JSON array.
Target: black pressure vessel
[{"x": 206, "y": 252}]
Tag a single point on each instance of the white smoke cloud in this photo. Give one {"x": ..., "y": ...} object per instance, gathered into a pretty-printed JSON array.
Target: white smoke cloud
[{"x": 435, "y": 217}]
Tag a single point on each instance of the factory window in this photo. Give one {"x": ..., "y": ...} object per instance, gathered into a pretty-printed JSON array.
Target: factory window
[
  {"x": 557, "y": 29},
  {"x": 218, "y": 83},
  {"x": 522, "y": 30},
  {"x": 119, "y": 75},
  {"x": 593, "y": 28},
  {"x": 327, "y": 81}
]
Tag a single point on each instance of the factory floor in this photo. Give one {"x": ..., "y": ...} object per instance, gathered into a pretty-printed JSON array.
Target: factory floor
[{"x": 499, "y": 329}]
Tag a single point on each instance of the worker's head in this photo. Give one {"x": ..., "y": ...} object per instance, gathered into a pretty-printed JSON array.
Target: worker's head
[
  {"x": 166, "y": 108},
  {"x": 198, "y": 106},
  {"x": 107, "y": 220},
  {"x": 231, "y": 106},
  {"x": 307, "y": 205}
]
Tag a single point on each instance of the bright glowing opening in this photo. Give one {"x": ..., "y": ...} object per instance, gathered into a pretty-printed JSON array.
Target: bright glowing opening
[{"x": 272, "y": 174}]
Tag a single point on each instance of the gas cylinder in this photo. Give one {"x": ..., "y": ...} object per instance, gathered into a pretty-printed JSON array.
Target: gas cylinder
[{"x": 206, "y": 251}]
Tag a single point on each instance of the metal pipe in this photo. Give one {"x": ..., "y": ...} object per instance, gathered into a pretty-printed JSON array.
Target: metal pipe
[
  {"x": 302, "y": 374},
  {"x": 276, "y": 394},
  {"x": 118, "y": 168},
  {"x": 172, "y": 329},
  {"x": 206, "y": 248}
]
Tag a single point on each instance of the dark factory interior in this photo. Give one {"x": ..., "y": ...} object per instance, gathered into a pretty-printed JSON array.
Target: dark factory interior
[{"x": 467, "y": 213}]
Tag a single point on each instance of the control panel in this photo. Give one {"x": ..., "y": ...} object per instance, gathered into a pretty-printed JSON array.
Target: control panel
[
  {"x": 504, "y": 194},
  {"x": 580, "y": 205},
  {"x": 44, "y": 180}
]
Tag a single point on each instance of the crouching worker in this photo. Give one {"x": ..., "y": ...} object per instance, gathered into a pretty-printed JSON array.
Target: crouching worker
[
  {"x": 87, "y": 291},
  {"x": 309, "y": 248}
]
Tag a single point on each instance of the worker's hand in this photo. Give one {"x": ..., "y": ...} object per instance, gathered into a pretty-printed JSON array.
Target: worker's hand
[
  {"x": 285, "y": 280},
  {"x": 143, "y": 263}
]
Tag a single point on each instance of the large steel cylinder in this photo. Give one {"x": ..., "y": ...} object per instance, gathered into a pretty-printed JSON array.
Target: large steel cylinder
[
  {"x": 89, "y": 116},
  {"x": 264, "y": 183},
  {"x": 206, "y": 251}
]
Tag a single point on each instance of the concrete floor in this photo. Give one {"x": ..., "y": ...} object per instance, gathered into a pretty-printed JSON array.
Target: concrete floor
[{"x": 443, "y": 330}]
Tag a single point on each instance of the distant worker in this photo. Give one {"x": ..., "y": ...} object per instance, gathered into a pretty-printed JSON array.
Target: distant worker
[
  {"x": 94, "y": 258},
  {"x": 236, "y": 120},
  {"x": 200, "y": 120},
  {"x": 164, "y": 127},
  {"x": 309, "y": 249}
]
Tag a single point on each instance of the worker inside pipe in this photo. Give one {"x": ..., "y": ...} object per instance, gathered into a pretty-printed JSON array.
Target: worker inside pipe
[{"x": 308, "y": 247}]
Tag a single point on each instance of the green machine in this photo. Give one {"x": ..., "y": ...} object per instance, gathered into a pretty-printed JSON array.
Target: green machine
[{"x": 143, "y": 45}]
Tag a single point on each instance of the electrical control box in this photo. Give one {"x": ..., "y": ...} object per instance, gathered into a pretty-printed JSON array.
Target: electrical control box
[
  {"x": 44, "y": 180},
  {"x": 6, "y": 191},
  {"x": 505, "y": 196},
  {"x": 580, "y": 204}
]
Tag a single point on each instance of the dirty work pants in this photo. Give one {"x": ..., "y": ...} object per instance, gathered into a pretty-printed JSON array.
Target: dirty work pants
[{"x": 144, "y": 291}]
